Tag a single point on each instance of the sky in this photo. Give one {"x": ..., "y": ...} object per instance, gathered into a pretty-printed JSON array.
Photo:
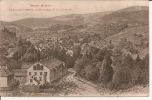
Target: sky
[{"x": 11, "y": 10}]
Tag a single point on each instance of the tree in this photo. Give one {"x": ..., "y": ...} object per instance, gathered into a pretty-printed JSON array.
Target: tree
[
  {"x": 121, "y": 76},
  {"x": 28, "y": 57},
  {"x": 70, "y": 61},
  {"x": 38, "y": 54},
  {"x": 92, "y": 72},
  {"x": 47, "y": 52},
  {"x": 127, "y": 61},
  {"x": 31, "y": 49},
  {"x": 100, "y": 55},
  {"x": 14, "y": 84},
  {"x": 14, "y": 64},
  {"x": 77, "y": 50},
  {"x": 62, "y": 55},
  {"x": 19, "y": 52},
  {"x": 138, "y": 58},
  {"x": 80, "y": 64},
  {"x": 106, "y": 70},
  {"x": 55, "y": 53},
  {"x": 19, "y": 42}
]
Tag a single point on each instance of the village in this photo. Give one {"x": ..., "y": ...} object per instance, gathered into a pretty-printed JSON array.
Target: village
[
  {"x": 51, "y": 61},
  {"x": 31, "y": 75},
  {"x": 95, "y": 54}
]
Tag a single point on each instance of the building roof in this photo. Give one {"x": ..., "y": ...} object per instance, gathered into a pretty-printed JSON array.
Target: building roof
[
  {"x": 50, "y": 62},
  {"x": 26, "y": 65},
  {"x": 20, "y": 73},
  {"x": 4, "y": 71}
]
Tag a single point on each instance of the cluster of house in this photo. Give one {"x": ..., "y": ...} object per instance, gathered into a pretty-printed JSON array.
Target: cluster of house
[{"x": 38, "y": 73}]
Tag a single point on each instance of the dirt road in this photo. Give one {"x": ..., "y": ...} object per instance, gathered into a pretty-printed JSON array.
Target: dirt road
[{"x": 84, "y": 88}]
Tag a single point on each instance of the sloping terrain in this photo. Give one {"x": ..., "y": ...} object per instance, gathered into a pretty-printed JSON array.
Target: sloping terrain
[
  {"x": 72, "y": 19},
  {"x": 6, "y": 37},
  {"x": 13, "y": 27}
]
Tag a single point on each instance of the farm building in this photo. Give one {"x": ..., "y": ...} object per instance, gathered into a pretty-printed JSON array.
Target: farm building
[
  {"x": 44, "y": 71},
  {"x": 6, "y": 77}
]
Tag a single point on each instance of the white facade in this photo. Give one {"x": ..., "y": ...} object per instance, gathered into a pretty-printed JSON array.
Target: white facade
[
  {"x": 39, "y": 74},
  {"x": 3, "y": 82}
]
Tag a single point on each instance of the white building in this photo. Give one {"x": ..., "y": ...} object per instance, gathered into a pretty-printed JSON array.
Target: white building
[{"x": 45, "y": 71}]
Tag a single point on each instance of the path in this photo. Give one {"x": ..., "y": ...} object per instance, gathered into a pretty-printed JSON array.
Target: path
[{"x": 84, "y": 88}]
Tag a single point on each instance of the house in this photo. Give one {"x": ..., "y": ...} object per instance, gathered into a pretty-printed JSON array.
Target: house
[
  {"x": 85, "y": 48},
  {"x": 70, "y": 53},
  {"x": 6, "y": 77},
  {"x": 45, "y": 71}
]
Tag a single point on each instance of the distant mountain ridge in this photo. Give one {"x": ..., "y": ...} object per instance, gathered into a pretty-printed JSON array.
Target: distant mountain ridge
[{"x": 134, "y": 13}]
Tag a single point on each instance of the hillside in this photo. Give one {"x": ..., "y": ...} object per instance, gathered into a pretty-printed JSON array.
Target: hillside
[
  {"x": 104, "y": 23},
  {"x": 131, "y": 14},
  {"x": 117, "y": 21},
  {"x": 13, "y": 27},
  {"x": 72, "y": 19},
  {"x": 6, "y": 37}
]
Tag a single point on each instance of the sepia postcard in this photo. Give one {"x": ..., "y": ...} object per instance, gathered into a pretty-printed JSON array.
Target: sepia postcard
[{"x": 74, "y": 48}]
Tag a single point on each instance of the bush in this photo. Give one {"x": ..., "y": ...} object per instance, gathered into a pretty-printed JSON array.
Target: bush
[
  {"x": 28, "y": 57},
  {"x": 106, "y": 70},
  {"x": 121, "y": 76},
  {"x": 14, "y": 84},
  {"x": 14, "y": 64},
  {"x": 19, "y": 52}
]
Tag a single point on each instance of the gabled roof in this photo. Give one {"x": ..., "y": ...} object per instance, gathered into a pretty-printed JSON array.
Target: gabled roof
[
  {"x": 50, "y": 62},
  {"x": 4, "y": 72},
  {"x": 26, "y": 65}
]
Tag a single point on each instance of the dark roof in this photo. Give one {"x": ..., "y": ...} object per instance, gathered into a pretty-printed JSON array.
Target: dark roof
[
  {"x": 51, "y": 62},
  {"x": 26, "y": 65},
  {"x": 4, "y": 72}
]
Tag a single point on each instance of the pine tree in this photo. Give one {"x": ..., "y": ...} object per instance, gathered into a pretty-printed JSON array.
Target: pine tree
[{"x": 106, "y": 70}]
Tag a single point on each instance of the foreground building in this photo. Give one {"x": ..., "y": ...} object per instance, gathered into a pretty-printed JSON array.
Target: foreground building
[
  {"x": 45, "y": 71},
  {"x": 6, "y": 77}
]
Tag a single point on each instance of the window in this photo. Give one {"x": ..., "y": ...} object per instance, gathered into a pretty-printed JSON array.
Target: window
[
  {"x": 31, "y": 80},
  {"x": 38, "y": 66},
  {"x": 34, "y": 67},
  {"x": 29, "y": 73},
  {"x": 41, "y": 67},
  {"x": 40, "y": 73},
  {"x": 45, "y": 73},
  {"x": 35, "y": 73},
  {"x": 40, "y": 78}
]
